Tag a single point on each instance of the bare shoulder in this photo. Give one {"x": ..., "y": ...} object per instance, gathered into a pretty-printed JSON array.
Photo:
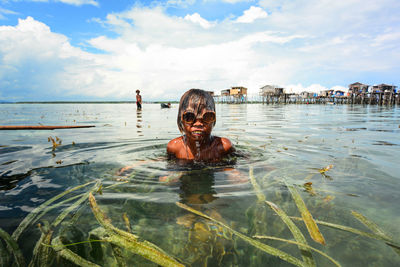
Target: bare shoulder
[
  {"x": 225, "y": 143},
  {"x": 175, "y": 145}
]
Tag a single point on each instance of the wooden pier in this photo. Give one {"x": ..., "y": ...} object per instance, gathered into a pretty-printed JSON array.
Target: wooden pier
[
  {"x": 387, "y": 99},
  {"x": 358, "y": 93},
  {"x": 229, "y": 99}
]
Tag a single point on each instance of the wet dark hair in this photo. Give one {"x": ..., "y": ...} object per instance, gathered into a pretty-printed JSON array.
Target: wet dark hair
[{"x": 197, "y": 99}]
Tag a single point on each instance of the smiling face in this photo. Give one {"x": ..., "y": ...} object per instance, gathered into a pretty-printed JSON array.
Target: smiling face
[
  {"x": 198, "y": 125},
  {"x": 196, "y": 116}
]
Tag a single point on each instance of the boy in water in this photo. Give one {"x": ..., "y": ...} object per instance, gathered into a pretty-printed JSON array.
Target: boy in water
[
  {"x": 138, "y": 100},
  {"x": 196, "y": 119}
]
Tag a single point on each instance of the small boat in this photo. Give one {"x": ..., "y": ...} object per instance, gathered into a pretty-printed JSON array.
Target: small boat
[{"x": 163, "y": 105}]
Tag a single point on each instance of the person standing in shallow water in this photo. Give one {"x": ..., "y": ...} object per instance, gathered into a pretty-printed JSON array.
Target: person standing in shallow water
[
  {"x": 138, "y": 100},
  {"x": 196, "y": 119}
]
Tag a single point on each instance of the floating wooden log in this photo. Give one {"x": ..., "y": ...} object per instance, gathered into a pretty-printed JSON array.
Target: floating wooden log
[{"x": 42, "y": 127}]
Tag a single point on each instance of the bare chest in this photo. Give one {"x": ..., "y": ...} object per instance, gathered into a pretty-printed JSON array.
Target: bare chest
[{"x": 211, "y": 153}]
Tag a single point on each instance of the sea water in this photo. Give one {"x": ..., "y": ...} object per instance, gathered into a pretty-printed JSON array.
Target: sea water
[{"x": 339, "y": 158}]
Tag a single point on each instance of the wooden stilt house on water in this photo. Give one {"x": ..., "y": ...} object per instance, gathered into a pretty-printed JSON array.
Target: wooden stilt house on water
[
  {"x": 339, "y": 93},
  {"x": 272, "y": 94},
  {"x": 384, "y": 88},
  {"x": 384, "y": 94},
  {"x": 225, "y": 92},
  {"x": 236, "y": 94},
  {"x": 357, "y": 89},
  {"x": 327, "y": 93},
  {"x": 306, "y": 94},
  {"x": 377, "y": 94},
  {"x": 271, "y": 90},
  {"x": 357, "y": 93}
]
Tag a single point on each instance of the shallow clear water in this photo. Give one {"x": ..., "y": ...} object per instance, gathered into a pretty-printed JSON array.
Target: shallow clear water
[{"x": 281, "y": 143}]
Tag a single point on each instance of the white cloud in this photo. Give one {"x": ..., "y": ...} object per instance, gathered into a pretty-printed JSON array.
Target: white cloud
[
  {"x": 303, "y": 45},
  {"x": 235, "y": 1},
  {"x": 69, "y": 2},
  {"x": 272, "y": 4},
  {"x": 196, "y": 18},
  {"x": 79, "y": 2},
  {"x": 35, "y": 59},
  {"x": 180, "y": 3},
  {"x": 160, "y": 69},
  {"x": 252, "y": 14},
  {"x": 386, "y": 39},
  {"x": 7, "y": 12},
  {"x": 269, "y": 37},
  {"x": 340, "y": 88}
]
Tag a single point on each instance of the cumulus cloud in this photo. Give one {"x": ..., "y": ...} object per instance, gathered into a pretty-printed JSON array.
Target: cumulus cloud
[
  {"x": 296, "y": 46},
  {"x": 161, "y": 69},
  {"x": 69, "y": 2},
  {"x": 235, "y": 1},
  {"x": 196, "y": 18},
  {"x": 252, "y": 14},
  {"x": 34, "y": 60}
]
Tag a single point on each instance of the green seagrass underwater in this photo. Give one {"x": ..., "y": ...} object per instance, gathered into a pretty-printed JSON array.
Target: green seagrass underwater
[{"x": 283, "y": 231}]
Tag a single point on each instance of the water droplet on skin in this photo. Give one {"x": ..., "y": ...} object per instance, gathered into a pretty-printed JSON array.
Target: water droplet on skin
[{"x": 198, "y": 149}]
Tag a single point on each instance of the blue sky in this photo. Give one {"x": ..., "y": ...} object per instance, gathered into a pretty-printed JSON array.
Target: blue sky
[{"x": 105, "y": 50}]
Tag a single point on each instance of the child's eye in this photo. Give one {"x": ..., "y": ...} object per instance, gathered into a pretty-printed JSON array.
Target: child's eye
[
  {"x": 209, "y": 117},
  {"x": 189, "y": 117}
]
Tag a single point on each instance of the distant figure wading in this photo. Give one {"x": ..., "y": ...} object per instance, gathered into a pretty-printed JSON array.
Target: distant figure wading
[{"x": 138, "y": 100}]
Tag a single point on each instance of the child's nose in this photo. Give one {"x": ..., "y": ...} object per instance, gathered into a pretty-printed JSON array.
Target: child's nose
[{"x": 198, "y": 122}]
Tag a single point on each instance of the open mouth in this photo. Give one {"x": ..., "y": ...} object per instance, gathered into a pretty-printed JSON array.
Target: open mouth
[{"x": 197, "y": 132}]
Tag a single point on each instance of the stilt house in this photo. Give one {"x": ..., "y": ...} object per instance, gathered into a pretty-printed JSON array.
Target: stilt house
[
  {"x": 306, "y": 94},
  {"x": 381, "y": 88},
  {"x": 326, "y": 93},
  {"x": 270, "y": 90},
  {"x": 225, "y": 92},
  {"x": 358, "y": 88}
]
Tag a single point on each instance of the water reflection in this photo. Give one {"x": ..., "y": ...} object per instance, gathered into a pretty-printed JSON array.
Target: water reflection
[
  {"x": 207, "y": 244},
  {"x": 139, "y": 122},
  {"x": 290, "y": 142},
  {"x": 198, "y": 187}
]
